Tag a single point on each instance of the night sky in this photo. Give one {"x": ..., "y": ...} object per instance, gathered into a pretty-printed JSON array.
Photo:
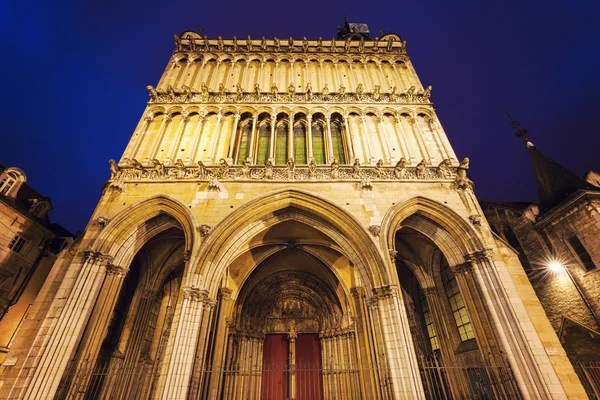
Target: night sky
[{"x": 75, "y": 75}]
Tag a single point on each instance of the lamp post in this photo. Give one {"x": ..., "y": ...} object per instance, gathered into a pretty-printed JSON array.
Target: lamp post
[{"x": 558, "y": 267}]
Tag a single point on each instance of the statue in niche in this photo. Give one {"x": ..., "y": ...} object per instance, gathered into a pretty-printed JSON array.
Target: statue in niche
[
  {"x": 376, "y": 45},
  {"x": 410, "y": 93},
  {"x": 462, "y": 182},
  {"x": 291, "y": 43},
  {"x": 180, "y": 168},
  {"x": 235, "y": 44},
  {"x": 291, "y": 91},
  {"x": 206, "y": 46},
  {"x": 400, "y": 168},
  {"x": 305, "y": 44},
  {"x": 263, "y": 43},
  {"x": 177, "y": 42},
  {"x": 394, "y": 93},
  {"x": 309, "y": 94},
  {"x": 291, "y": 166},
  {"x": 427, "y": 93},
  {"x": 320, "y": 44},
  {"x": 246, "y": 169},
  {"x": 220, "y": 43},
  {"x": 333, "y": 49},
  {"x": 201, "y": 169},
  {"x": 421, "y": 167},
  {"x": 221, "y": 91},
  {"x": 379, "y": 168},
  {"x": 390, "y": 43},
  {"x": 223, "y": 171},
  {"x": 277, "y": 44},
  {"x": 312, "y": 169},
  {"x": 443, "y": 169},
  {"x": 240, "y": 91},
  {"x": 187, "y": 93},
  {"x": 274, "y": 91},
  {"x": 335, "y": 169},
  {"x": 152, "y": 92},
  {"x": 204, "y": 92},
  {"x": 171, "y": 93},
  {"x": 257, "y": 91},
  {"x": 269, "y": 169},
  {"x": 356, "y": 169},
  {"x": 377, "y": 92},
  {"x": 249, "y": 43},
  {"x": 325, "y": 92},
  {"x": 361, "y": 45},
  {"x": 347, "y": 45},
  {"x": 115, "y": 171}
]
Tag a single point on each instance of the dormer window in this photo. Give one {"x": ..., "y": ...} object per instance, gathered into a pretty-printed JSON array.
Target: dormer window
[{"x": 10, "y": 182}]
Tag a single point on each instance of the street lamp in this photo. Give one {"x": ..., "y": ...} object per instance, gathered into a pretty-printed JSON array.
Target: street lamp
[{"x": 556, "y": 266}]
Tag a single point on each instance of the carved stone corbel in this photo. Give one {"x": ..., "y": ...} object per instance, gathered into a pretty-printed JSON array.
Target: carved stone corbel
[
  {"x": 375, "y": 230},
  {"x": 204, "y": 230}
]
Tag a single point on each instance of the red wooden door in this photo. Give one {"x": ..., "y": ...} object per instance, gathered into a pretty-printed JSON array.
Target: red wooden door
[
  {"x": 309, "y": 383},
  {"x": 275, "y": 365}
]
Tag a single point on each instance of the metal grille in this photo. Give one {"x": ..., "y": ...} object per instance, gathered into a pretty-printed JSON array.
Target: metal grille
[{"x": 589, "y": 374}]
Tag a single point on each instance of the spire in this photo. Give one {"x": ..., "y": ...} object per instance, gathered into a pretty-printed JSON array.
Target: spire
[{"x": 554, "y": 181}]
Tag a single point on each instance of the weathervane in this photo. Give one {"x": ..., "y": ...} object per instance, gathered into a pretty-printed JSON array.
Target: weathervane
[{"x": 519, "y": 131}]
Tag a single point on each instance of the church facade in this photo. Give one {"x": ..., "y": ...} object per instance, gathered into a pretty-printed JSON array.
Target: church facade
[{"x": 288, "y": 221}]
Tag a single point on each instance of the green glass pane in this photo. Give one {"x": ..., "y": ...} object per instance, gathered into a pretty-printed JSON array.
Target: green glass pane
[
  {"x": 244, "y": 150},
  {"x": 264, "y": 138},
  {"x": 281, "y": 145},
  {"x": 300, "y": 144},
  {"x": 318, "y": 143},
  {"x": 337, "y": 143}
]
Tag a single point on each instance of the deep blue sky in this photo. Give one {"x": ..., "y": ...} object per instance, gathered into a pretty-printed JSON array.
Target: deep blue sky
[{"x": 75, "y": 75}]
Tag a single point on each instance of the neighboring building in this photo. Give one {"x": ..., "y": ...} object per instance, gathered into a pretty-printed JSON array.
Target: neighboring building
[
  {"x": 29, "y": 244},
  {"x": 559, "y": 247},
  {"x": 289, "y": 220}
]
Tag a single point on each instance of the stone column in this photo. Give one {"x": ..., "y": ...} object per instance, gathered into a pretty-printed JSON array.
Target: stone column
[
  {"x": 402, "y": 139},
  {"x": 224, "y": 306},
  {"x": 178, "y": 136},
  {"x": 214, "y": 140},
  {"x": 365, "y": 136},
  {"x": 233, "y": 139},
  {"x": 253, "y": 139},
  {"x": 420, "y": 139},
  {"x": 148, "y": 118},
  {"x": 82, "y": 284},
  {"x": 349, "y": 141},
  {"x": 386, "y": 143},
  {"x": 159, "y": 137},
  {"x": 291, "y": 137},
  {"x": 200, "y": 365},
  {"x": 272, "y": 140},
  {"x": 97, "y": 325},
  {"x": 329, "y": 142},
  {"x": 197, "y": 136},
  {"x": 363, "y": 338},
  {"x": 310, "y": 146},
  {"x": 441, "y": 136},
  {"x": 292, "y": 336}
]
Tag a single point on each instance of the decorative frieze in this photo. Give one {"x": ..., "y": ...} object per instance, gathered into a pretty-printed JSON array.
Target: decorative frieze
[{"x": 133, "y": 170}]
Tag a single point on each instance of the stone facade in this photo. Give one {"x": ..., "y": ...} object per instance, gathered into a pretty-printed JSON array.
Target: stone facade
[{"x": 292, "y": 203}]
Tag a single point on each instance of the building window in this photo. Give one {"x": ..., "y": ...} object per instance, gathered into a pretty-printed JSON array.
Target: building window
[
  {"x": 337, "y": 142},
  {"x": 244, "y": 149},
  {"x": 318, "y": 143},
  {"x": 582, "y": 253},
  {"x": 300, "y": 143},
  {"x": 17, "y": 243},
  {"x": 431, "y": 333},
  {"x": 281, "y": 144},
  {"x": 8, "y": 182},
  {"x": 264, "y": 139},
  {"x": 457, "y": 305}
]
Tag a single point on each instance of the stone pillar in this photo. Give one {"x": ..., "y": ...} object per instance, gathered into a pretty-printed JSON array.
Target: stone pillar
[
  {"x": 214, "y": 140},
  {"x": 402, "y": 139},
  {"x": 97, "y": 326},
  {"x": 348, "y": 141},
  {"x": 197, "y": 136},
  {"x": 253, "y": 139},
  {"x": 233, "y": 139},
  {"x": 400, "y": 350},
  {"x": 82, "y": 283},
  {"x": 219, "y": 344},
  {"x": 310, "y": 146},
  {"x": 272, "y": 141},
  {"x": 420, "y": 139},
  {"x": 363, "y": 338},
  {"x": 292, "y": 336},
  {"x": 180, "y": 364},
  {"x": 329, "y": 142},
  {"x": 365, "y": 136},
  {"x": 291, "y": 137},
  {"x": 148, "y": 118},
  {"x": 201, "y": 367},
  {"x": 386, "y": 143}
]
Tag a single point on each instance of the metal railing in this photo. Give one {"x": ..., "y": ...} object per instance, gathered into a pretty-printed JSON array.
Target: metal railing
[{"x": 589, "y": 375}]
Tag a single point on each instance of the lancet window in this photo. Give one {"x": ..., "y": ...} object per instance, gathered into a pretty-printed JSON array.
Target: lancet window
[
  {"x": 318, "y": 141},
  {"x": 457, "y": 304},
  {"x": 264, "y": 142},
  {"x": 245, "y": 139},
  {"x": 281, "y": 143},
  {"x": 300, "y": 142},
  {"x": 337, "y": 142}
]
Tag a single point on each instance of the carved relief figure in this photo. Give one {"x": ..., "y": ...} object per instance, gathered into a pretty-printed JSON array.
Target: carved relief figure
[
  {"x": 115, "y": 171},
  {"x": 223, "y": 171},
  {"x": 325, "y": 92},
  {"x": 291, "y": 166},
  {"x": 235, "y": 44},
  {"x": 379, "y": 168},
  {"x": 361, "y": 45},
  {"x": 400, "y": 168},
  {"x": 187, "y": 93},
  {"x": 347, "y": 45},
  {"x": 427, "y": 93},
  {"x": 274, "y": 91},
  {"x": 263, "y": 43},
  {"x": 171, "y": 93},
  {"x": 335, "y": 169},
  {"x": 158, "y": 169},
  {"x": 394, "y": 93},
  {"x": 221, "y": 91},
  {"x": 390, "y": 43},
  {"x": 246, "y": 169},
  {"x": 377, "y": 92},
  {"x": 291, "y": 43},
  {"x": 312, "y": 169},
  {"x": 304, "y": 44},
  {"x": 249, "y": 43},
  {"x": 443, "y": 169},
  {"x": 291, "y": 91},
  {"x": 320, "y": 44},
  {"x": 376, "y": 45},
  {"x": 359, "y": 91},
  {"x": 333, "y": 45},
  {"x": 204, "y": 92},
  {"x": 152, "y": 92},
  {"x": 342, "y": 89},
  {"x": 206, "y": 46},
  {"x": 410, "y": 93},
  {"x": 257, "y": 91},
  {"x": 269, "y": 169},
  {"x": 462, "y": 182},
  {"x": 421, "y": 169},
  {"x": 309, "y": 94},
  {"x": 240, "y": 91},
  {"x": 356, "y": 168},
  {"x": 177, "y": 42},
  {"x": 277, "y": 44},
  {"x": 201, "y": 169},
  {"x": 180, "y": 168},
  {"x": 220, "y": 43}
]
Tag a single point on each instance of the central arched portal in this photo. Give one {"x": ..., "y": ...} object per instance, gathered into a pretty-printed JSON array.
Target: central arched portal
[{"x": 291, "y": 333}]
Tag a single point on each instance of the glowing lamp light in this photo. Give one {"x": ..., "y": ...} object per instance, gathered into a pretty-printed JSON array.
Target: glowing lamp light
[{"x": 555, "y": 266}]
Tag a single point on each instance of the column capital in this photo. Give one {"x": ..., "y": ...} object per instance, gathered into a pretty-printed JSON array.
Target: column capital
[
  {"x": 225, "y": 293},
  {"x": 385, "y": 291},
  {"x": 393, "y": 254},
  {"x": 479, "y": 255},
  {"x": 292, "y": 336},
  {"x": 430, "y": 292},
  {"x": 194, "y": 294},
  {"x": 116, "y": 270},
  {"x": 358, "y": 292},
  {"x": 461, "y": 269},
  {"x": 187, "y": 255},
  {"x": 149, "y": 294}
]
